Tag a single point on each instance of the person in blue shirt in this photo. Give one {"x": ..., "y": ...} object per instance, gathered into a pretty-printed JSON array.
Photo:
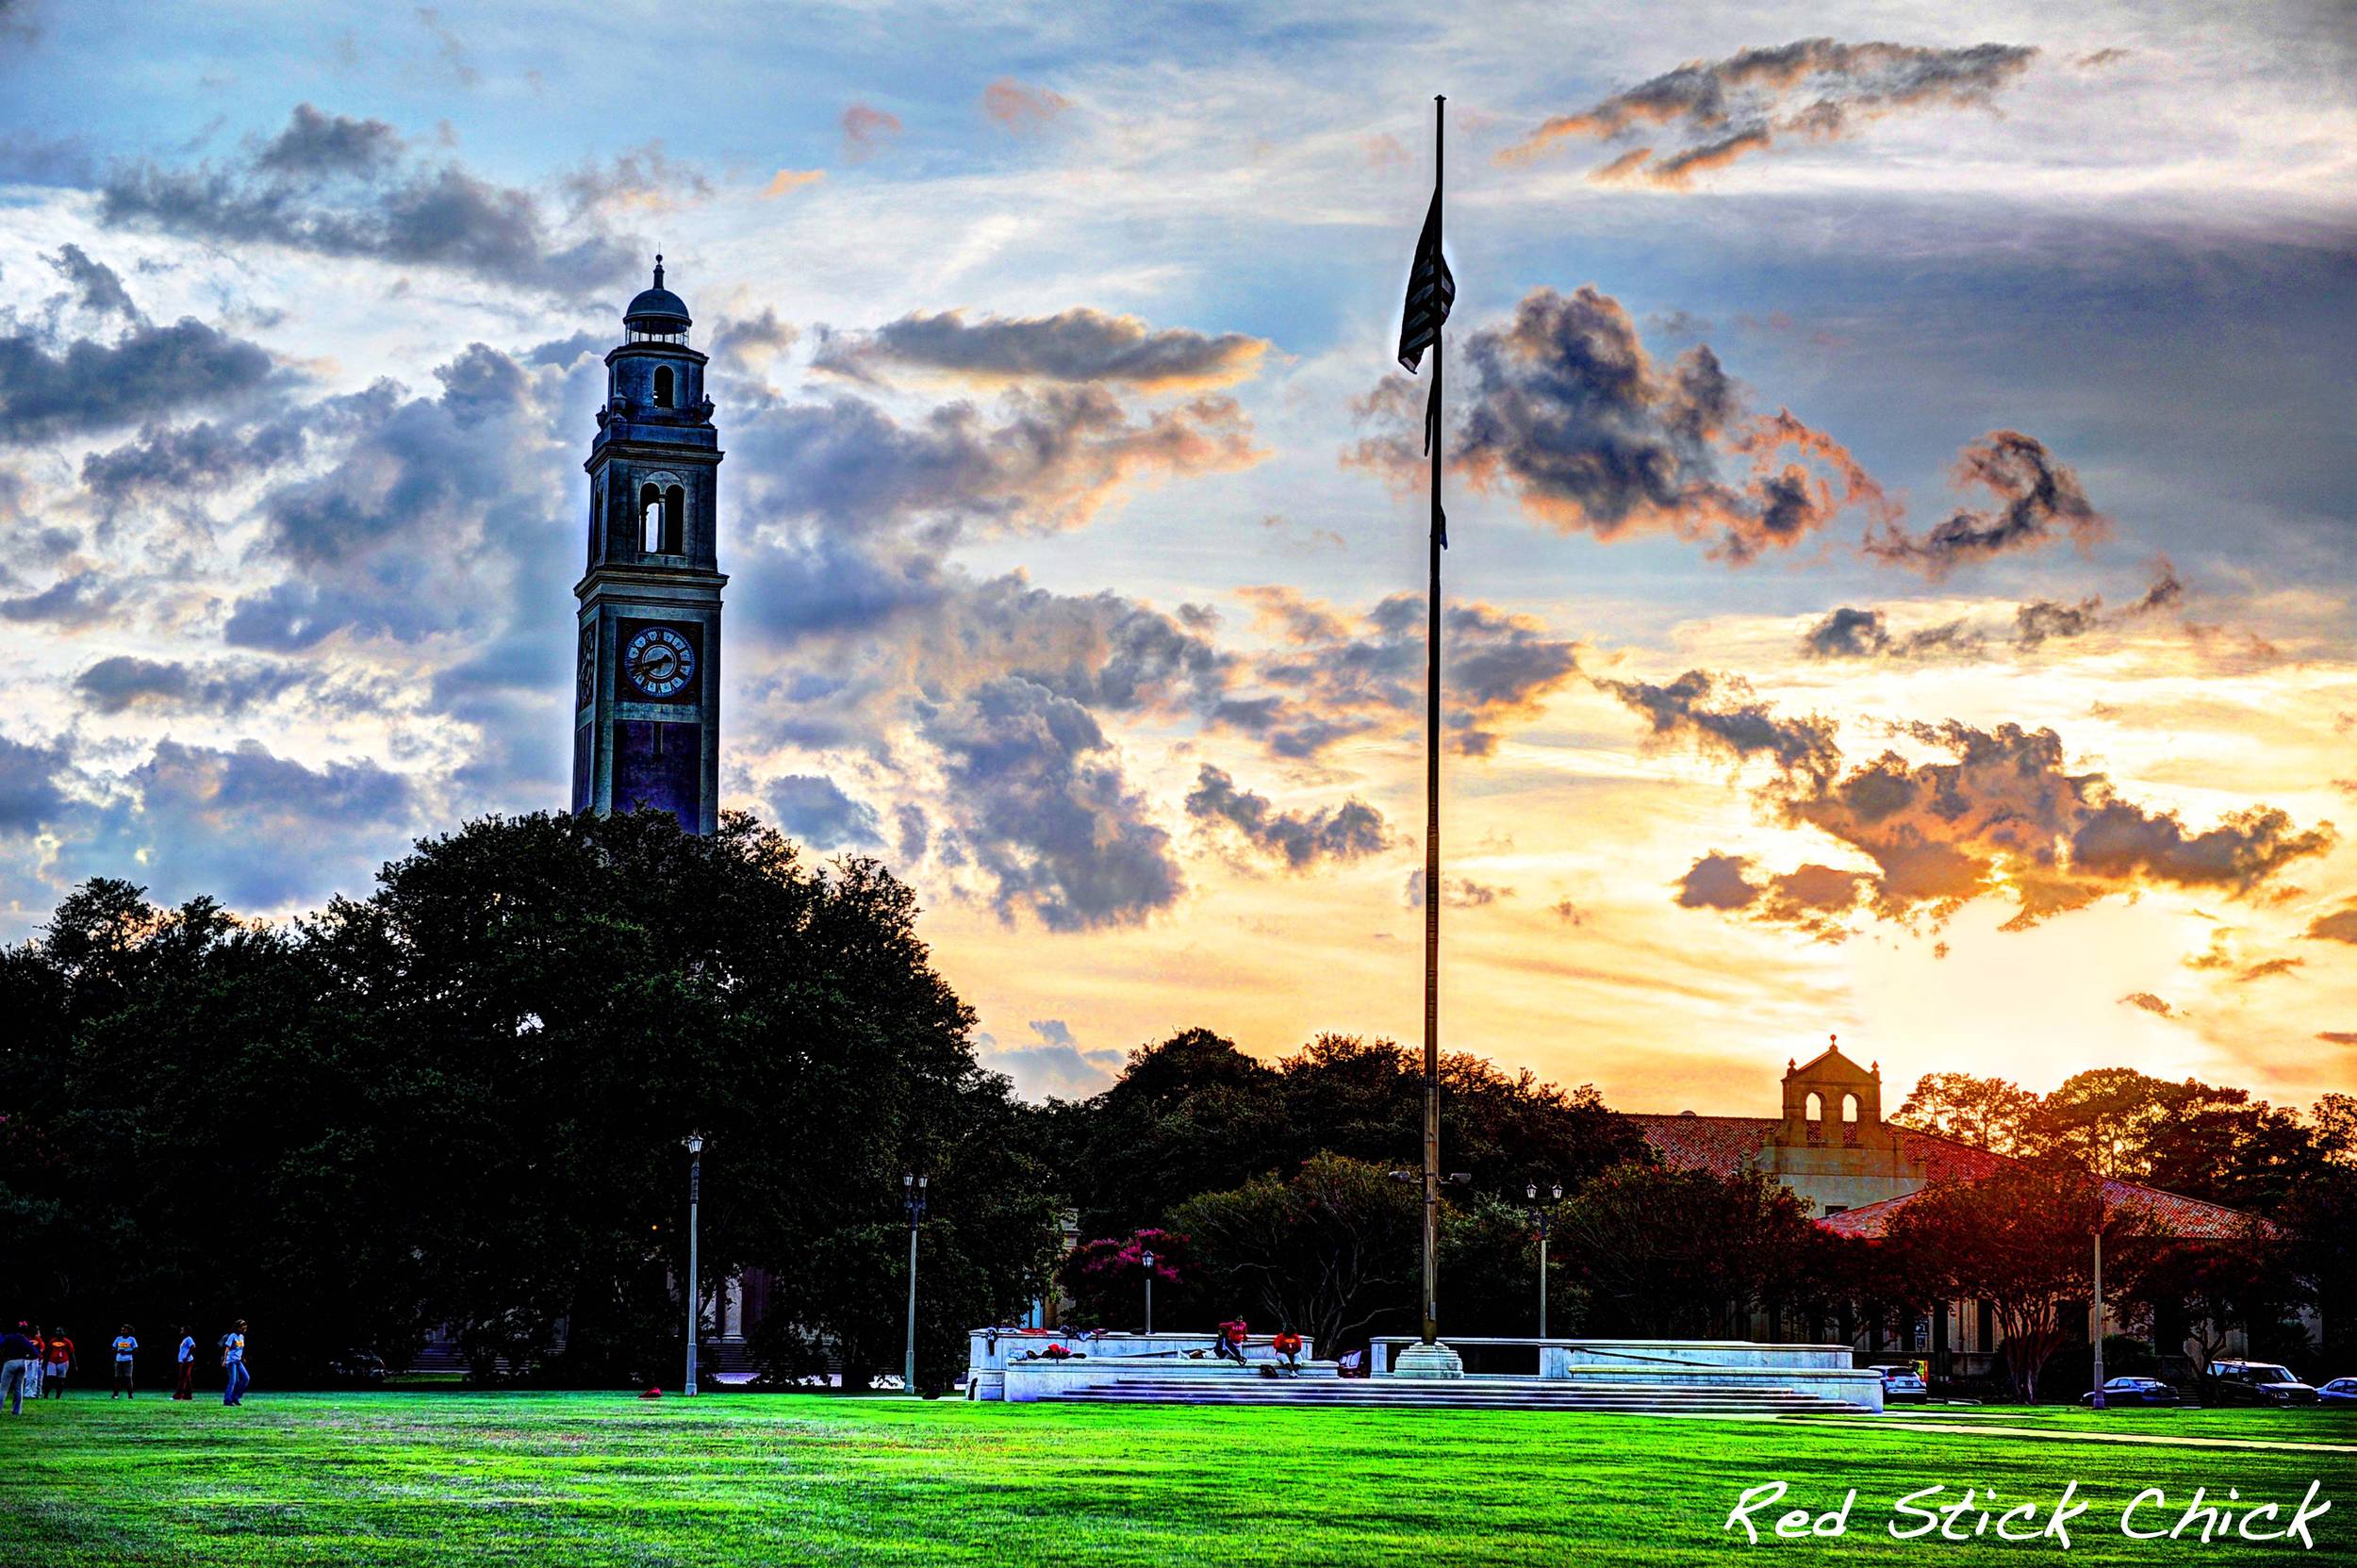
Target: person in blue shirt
[
  {"x": 127, "y": 1345},
  {"x": 17, "y": 1355},
  {"x": 233, "y": 1363},
  {"x": 186, "y": 1388}
]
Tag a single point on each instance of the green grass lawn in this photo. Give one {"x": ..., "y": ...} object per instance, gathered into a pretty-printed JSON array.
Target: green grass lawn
[{"x": 592, "y": 1479}]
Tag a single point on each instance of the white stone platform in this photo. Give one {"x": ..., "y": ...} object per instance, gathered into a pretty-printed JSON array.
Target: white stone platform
[
  {"x": 1590, "y": 1397},
  {"x": 1179, "y": 1381},
  {"x": 1632, "y": 1376},
  {"x": 991, "y": 1353},
  {"x": 1818, "y": 1371}
]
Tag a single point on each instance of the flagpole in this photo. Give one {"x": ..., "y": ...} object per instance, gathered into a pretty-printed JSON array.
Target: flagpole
[
  {"x": 1432, "y": 823},
  {"x": 1430, "y": 292}
]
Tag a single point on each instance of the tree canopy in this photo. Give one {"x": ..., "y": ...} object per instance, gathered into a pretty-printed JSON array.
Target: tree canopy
[
  {"x": 2022, "y": 1239},
  {"x": 460, "y": 1101},
  {"x": 1195, "y": 1114}
]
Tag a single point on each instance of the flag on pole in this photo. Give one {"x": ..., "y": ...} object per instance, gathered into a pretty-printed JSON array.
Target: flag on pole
[{"x": 1430, "y": 292}]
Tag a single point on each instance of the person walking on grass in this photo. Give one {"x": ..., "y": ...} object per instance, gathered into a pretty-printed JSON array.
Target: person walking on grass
[
  {"x": 186, "y": 1388},
  {"x": 233, "y": 1363},
  {"x": 127, "y": 1345},
  {"x": 17, "y": 1353},
  {"x": 60, "y": 1362},
  {"x": 41, "y": 1363}
]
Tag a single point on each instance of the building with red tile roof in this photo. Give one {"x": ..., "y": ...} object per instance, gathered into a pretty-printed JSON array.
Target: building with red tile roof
[{"x": 1832, "y": 1147}]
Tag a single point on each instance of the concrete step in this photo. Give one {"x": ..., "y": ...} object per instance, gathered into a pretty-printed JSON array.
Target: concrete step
[
  {"x": 1535, "y": 1402},
  {"x": 1475, "y": 1401},
  {"x": 1466, "y": 1394},
  {"x": 1415, "y": 1388},
  {"x": 726, "y": 1355}
]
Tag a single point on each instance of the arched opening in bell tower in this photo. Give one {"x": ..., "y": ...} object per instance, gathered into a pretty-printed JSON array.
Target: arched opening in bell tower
[
  {"x": 662, "y": 518},
  {"x": 664, "y": 394}
]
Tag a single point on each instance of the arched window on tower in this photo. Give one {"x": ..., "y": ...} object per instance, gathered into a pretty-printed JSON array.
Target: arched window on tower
[
  {"x": 664, "y": 397},
  {"x": 649, "y": 519},
  {"x": 1849, "y": 1120},
  {"x": 674, "y": 522},
  {"x": 1813, "y": 1112}
]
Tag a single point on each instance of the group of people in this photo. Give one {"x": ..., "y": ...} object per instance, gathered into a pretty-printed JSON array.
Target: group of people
[
  {"x": 1234, "y": 1333},
  {"x": 37, "y": 1364}
]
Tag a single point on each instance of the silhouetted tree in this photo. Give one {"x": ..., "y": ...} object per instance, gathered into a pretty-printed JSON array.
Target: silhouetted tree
[
  {"x": 2021, "y": 1239},
  {"x": 1670, "y": 1252},
  {"x": 2319, "y": 1219},
  {"x": 2199, "y": 1293},
  {"x": 1332, "y": 1249},
  {"x": 460, "y": 1101},
  {"x": 1190, "y": 1115},
  {"x": 1987, "y": 1113},
  {"x": 1195, "y": 1115}
]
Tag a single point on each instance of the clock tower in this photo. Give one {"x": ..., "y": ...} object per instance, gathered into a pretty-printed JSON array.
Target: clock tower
[{"x": 646, "y": 688}]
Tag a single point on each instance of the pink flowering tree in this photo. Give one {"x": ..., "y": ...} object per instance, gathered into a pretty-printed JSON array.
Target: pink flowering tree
[{"x": 1106, "y": 1281}]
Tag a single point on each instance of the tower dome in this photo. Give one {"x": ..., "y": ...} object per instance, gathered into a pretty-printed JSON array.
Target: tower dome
[{"x": 656, "y": 313}]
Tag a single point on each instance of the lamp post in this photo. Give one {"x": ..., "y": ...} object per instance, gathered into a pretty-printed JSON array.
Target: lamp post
[
  {"x": 695, "y": 1300},
  {"x": 1146, "y": 1258},
  {"x": 913, "y": 1199},
  {"x": 2096, "y": 1399},
  {"x": 1539, "y": 1212}
]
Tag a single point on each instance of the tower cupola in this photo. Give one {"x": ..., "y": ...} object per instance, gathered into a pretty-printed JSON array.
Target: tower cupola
[
  {"x": 1830, "y": 1098},
  {"x": 656, "y": 315}
]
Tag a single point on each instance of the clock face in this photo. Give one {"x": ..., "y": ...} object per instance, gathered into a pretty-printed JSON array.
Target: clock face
[{"x": 659, "y": 661}]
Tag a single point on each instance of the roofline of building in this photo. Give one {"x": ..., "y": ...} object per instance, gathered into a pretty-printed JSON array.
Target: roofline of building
[{"x": 1913, "y": 1131}]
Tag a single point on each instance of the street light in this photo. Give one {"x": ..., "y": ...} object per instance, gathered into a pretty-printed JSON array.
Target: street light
[
  {"x": 2096, "y": 1399},
  {"x": 695, "y": 1300},
  {"x": 1146, "y": 1258},
  {"x": 1537, "y": 1212},
  {"x": 913, "y": 1199}
]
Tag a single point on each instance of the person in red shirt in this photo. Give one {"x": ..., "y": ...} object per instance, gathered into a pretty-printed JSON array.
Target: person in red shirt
[
  {"x": 60, "y": 1359},
  {"x": 1288, "y": 1345},
  {"x": 1230, "y": 1344}
]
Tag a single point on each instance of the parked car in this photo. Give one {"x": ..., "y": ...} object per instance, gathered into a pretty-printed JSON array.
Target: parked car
[
  {"x": 2134, "y": 1391},
  {"x": 2256, "y": 1383},
  {"x": 2340, "y": 1390},
  {"x": 1903, "y": 1385}
]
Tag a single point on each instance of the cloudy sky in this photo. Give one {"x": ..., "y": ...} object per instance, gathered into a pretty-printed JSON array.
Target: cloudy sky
[{"x": 1902, "y": 491}]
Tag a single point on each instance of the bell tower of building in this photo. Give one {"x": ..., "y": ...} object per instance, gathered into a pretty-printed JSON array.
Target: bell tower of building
[
  {"x": 1832, "y": 1145},
  {"x": 647, "y": 691}
]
